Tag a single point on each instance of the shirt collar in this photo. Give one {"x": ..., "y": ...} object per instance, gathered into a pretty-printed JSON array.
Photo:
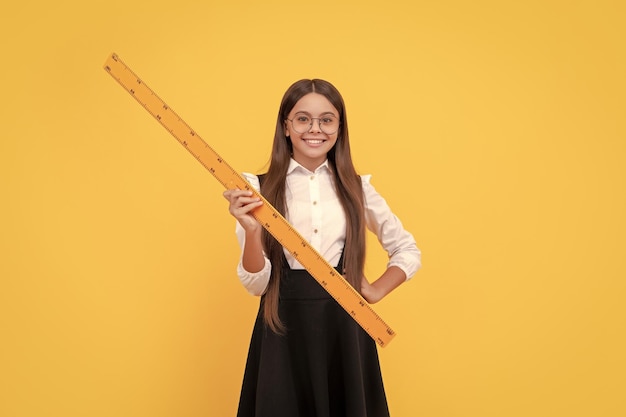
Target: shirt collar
[{"x": 293, "y": 166}]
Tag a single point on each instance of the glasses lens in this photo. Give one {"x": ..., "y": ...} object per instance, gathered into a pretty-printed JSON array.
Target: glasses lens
[
  {"x": 301, "y": 123},
  {"x": 328, "y": 124}
]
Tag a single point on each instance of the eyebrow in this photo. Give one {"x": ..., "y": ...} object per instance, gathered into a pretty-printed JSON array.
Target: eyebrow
[{"x": 309, "y": 114}]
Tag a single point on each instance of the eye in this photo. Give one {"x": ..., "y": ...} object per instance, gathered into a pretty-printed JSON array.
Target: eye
[
  {"x": 303, "y": 119},
  {"x": 327, "y": 120}
]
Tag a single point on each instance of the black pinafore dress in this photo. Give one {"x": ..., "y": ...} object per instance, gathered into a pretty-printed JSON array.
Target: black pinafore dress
[{"x": 325, "y": 365}]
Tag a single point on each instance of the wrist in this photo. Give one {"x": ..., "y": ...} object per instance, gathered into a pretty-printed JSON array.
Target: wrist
[
  {"x": 370, "y": 292},
  {"x": 253, "y": 230}
]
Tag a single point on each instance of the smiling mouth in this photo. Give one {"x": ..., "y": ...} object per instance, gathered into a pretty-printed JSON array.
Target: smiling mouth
[{"x": 314, "y": 141}]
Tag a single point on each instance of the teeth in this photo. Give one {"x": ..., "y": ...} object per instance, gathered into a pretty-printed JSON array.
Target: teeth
[{"x": 314, "y": 141}]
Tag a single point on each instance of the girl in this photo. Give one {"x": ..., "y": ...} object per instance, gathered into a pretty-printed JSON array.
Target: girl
[{"x": 308, "y": 357}]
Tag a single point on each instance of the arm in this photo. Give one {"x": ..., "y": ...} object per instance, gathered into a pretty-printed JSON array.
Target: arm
[
  {"x": 389, "y": 281},
  {"x": 404, "y": 256},
  {"x": 241, "y": 204},
  {"x": 254, "y": 268}
]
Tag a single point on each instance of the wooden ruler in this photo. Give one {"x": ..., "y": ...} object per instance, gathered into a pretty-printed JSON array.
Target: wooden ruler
[{"x": 324, "y": 273}]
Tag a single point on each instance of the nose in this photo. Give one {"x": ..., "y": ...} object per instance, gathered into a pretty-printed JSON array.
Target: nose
[{"x": 315, "y": 127}]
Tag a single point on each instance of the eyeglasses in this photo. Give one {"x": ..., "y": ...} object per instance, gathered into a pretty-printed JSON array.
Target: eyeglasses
[{"x": 302, "y": 123}]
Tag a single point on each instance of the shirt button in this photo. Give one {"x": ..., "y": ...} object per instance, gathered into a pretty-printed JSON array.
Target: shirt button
[
  {"x": 314, "y": 230},
  {"x": 312, "y": 177},
  {"x": 315, "y": 203}
]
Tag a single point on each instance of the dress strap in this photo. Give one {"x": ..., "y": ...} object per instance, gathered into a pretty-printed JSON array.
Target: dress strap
[{"x": 261, "y": 177}]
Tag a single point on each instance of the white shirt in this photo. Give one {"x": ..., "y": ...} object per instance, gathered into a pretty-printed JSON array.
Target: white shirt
[{"x": 315, "y": 211}]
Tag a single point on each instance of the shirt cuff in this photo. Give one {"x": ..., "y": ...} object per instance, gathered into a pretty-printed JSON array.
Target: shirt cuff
[
  {"x": 255, "y": 282},
  {"x": 409, "y": 260}
]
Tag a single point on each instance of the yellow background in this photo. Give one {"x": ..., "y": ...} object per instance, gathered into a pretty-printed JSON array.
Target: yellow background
[{"x": 494, "y": 129}]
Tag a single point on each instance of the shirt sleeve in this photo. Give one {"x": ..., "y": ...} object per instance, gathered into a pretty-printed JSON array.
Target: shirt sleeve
[
  {"x": 398, "y": 242},
  {"x": 254, "y": 282}
]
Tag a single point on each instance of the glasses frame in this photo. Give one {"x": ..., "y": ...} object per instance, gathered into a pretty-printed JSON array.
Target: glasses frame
[{"x": 319, "y": 123}]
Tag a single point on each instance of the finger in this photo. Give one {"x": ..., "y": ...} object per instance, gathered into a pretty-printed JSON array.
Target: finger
[
  {"x": 233, "y": 195},
  {"x": 246, "y": 208},
  {"x": 241, "y": 193},
  {"x": 243, "y": 200}
]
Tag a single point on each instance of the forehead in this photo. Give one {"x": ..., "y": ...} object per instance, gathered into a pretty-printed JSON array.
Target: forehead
[{"x": 314, "y": 104}]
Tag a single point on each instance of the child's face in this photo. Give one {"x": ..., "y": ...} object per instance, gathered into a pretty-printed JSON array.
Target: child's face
[{"x": 311, "y": 147}]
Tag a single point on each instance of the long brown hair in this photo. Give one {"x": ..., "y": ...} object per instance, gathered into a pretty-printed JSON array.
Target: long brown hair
[{"x": 347, "y": 183}]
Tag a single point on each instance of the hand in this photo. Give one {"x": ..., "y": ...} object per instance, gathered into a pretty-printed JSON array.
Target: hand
[
  {"x": 370, "y": 292},
  {"x": 376, "y": 291},
  {"x": 241, "y": 204}
]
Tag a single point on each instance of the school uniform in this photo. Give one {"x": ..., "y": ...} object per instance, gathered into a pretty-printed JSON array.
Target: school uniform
[{"x": 325, "y": 364}]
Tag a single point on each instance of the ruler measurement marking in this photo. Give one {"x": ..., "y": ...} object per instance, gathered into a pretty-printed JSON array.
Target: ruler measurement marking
[{"x": 349, "y": 299}]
